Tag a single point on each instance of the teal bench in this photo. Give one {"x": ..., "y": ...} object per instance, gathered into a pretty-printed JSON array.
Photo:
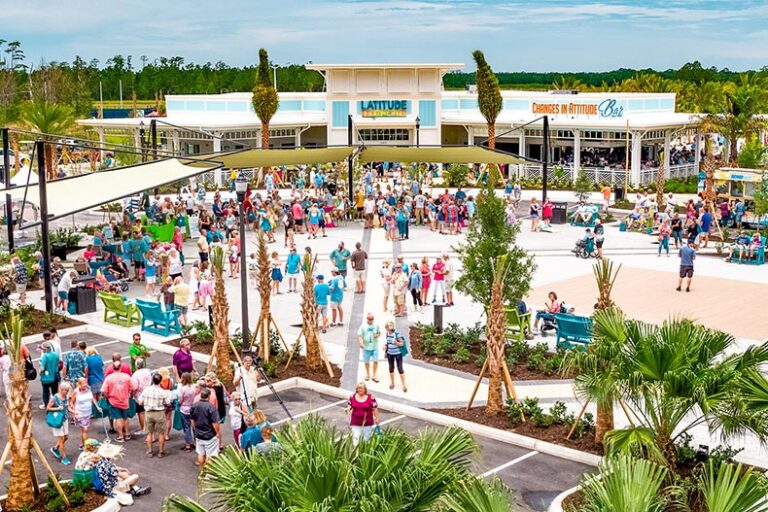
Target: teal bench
[
  {"x": 573, "y": 331},
  {"x": 757, "y": 259},
  {"x": 155, "y": 320},
  {"x": 581, "y": 223}
]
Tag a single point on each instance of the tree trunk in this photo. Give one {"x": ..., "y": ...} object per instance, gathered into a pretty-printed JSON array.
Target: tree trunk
[
  {"x": 18, "y": 409},
  {"x": 309, "y": 316},
  {"x": 491, "y": 135},
  {"x": 16, "y": 160},
  {"x": 265, "y": 293},
  {"x": 496, "y": 339},
  {"x": 221, "y": 329},
  {"x": 50, "y": 171},
  {"x": 604, "y": 421},
  {"x": 733, "y": 151},
  {"x": 264, "y": 145}
]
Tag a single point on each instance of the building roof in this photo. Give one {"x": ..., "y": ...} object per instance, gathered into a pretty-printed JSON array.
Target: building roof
[{"x": 444, "y": 66}]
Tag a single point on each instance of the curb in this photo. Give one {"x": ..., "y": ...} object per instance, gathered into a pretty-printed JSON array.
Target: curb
[
  {"x": 557, "y": 503},
  {"x": 111, "y": 505},
  {"x": 561, "y": 452}
]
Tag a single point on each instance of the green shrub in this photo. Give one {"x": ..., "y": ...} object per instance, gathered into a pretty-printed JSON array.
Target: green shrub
[{"x": 462, "y": 355}]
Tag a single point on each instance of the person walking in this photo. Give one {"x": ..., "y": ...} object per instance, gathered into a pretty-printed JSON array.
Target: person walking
[
  {"x": 414, "y": 286},
  {"x": 292, "y": 269},
  {"x": 322, "y": 291},
  {"x": 393, "y": 347},
  {"x": 450, "y": 275},
  {"x": 533, "y": 211},
  {"x": 426, "y": 279},
  {"x": 364, "y": 413},
  {"x": 358, "y": 260},
  {"x": 182, "y": 359},
  {"x": 599, "y": 238},
  {"x": 687, "y": 255},
  {"x": 81, "y": 403},
  {"x": 154, "y": 399},
  {"x": 141, "y": 380},
  {"x": 206, "y": 426},
  {"x": 337, "y": 284},
  {"x": 399, "y": 287},
  {"x": 339, "y": 257},
  {"x": 367, "y": 338},
  {"x": 181, "y": 293},
  {"x": 118, "y": 389},
  {"x": 56, "y": 418},
  {"x": 386, "y": 282},
  {"x": 185, "y": 394},
  {"x": 49, "y": 372}
]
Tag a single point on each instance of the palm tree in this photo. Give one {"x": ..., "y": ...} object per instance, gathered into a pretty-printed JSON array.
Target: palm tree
[
  {"x": 50, "y": 119},
  {"x": 265, "y": 294},
  {"x": 605, "y": 277},
  {"x": 489, "y": 97},
  {"x": 661, "y": 180},
  {"x": 265, "y": 99},
  {"x": 309, "y": 314},
  {"x": 678, "y": 376},
  {"x": 319, "y": 469},
  {"x": 496, "y": 334},
  {"x": 625, "y": 484},
  {"x": 19, "y": 412},
  {"x": 568, "y": 83},
  {"x": 731, "y": 488},
  {"x": 220, "y": 308}
]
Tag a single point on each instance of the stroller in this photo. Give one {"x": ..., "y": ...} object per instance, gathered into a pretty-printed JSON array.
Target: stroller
[
  {"x": 585, "y": 248},
  {"x": 107, "y": 282}
]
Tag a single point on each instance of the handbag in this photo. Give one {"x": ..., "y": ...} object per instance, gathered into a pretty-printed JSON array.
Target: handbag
[
  {"x": 30, "y": 372},
  {"x": 55, "y": 419},
  {"x": 177, "y": 421}
]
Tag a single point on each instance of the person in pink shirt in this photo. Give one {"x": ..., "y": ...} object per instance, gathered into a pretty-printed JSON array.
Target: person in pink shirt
[
  {"x": 546, "y": 212},
  {"x": 118, "y": 389},
  {"x": 123, "y": 366},
  {"x": 140, "y": 380},
  {"x": 298, "y": 215},
  {"x": 552, "y": 308},
  {"x": 438, "y": 280}
]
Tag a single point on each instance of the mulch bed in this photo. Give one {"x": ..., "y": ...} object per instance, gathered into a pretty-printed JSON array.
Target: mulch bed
[
  {"x": 37, "y": 321},
  {"x": 519, "y": 371},
  {"x": 554, "y": 434},
  {"x": 93, "y": 500},
  {"x": 574, "y": 502}
]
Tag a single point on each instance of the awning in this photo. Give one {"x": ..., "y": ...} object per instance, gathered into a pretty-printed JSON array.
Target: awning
[
  {"x": 251, "y": 158},
  {"x": 438, "y": 154},
  {"x": 78, "y": 193}
]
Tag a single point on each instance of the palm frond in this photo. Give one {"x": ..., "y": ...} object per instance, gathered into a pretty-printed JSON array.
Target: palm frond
[
  {"x": 478, "y": 495},
  {"x": 734, "y": 489},
  {"x": 625, "y": 484},
  {"x": 633, "y": 441}
]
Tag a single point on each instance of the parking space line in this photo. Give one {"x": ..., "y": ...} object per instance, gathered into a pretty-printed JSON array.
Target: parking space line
[
  {"x": 508, "y": 464},
  {"x": 93, "y": 346},
  {"x": 311, "y": 411},
  {"x": 390, "y": 420}
]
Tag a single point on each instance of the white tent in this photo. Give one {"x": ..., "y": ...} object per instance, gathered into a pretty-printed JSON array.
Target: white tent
[{"x": 21, "y": 177}]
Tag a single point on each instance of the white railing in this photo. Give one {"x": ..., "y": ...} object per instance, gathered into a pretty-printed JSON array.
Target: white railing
[
  {"x": 682, "y": 171},
  {"x": 602, "y": 175}
]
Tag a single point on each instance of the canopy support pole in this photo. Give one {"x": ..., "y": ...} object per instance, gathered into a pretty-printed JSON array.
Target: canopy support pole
[
  {"x": 544, "y": 159},
  {"x": 46, "y": 248},
  {"x": 350, "y": 158},
  {"x": 7, "y": 179}
]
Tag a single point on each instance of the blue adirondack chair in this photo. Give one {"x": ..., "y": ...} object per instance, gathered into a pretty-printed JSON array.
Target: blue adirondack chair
[
  {"x": 576, "y": 220},
  {"x": 573, "y": 331},
  {"x": 155, "y": 320}
]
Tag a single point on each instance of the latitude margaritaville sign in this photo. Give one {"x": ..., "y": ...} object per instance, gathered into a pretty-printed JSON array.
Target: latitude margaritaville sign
[
  {"x": 384, "y": 108},
  {"x": 606, "y": 108}
]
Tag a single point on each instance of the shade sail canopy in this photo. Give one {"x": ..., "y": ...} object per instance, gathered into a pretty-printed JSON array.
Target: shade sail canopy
[
  {"x": 277, "y": 157},
  {"x": 79, "y": 193},
  {"x": 438, "y": 154}
]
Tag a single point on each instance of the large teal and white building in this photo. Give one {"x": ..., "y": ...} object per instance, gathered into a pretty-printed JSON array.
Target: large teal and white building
[{"x": 406, "y": 104}]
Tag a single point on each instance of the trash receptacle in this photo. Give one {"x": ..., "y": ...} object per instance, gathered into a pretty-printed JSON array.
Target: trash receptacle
[
  {"x": 559, "y": 213},
  {"x": 59, "y": 250},
  {"x": 84, "y": 298},
  {"x": 619, "y": 194}
]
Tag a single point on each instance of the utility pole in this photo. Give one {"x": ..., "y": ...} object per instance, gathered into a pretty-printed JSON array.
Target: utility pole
[{"x": 44, "y": 233}]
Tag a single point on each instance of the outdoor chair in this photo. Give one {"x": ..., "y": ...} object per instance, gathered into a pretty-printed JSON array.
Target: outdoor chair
[
  {"x": 155, "y": 320},
  {"x": 573, "y": 331},
  {"x": 118, "y": 311},
  {"x": 517, "y": 324}
]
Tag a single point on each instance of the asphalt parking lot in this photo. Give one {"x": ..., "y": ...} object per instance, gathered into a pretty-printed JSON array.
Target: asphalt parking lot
[{"x": 535, "y": 478}]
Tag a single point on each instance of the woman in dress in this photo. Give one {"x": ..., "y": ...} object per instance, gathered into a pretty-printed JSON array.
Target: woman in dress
[
  {"x": 386, "y": 281},
  {"x": 363, "y": 413},
  {"x": 426, "y": 279}
]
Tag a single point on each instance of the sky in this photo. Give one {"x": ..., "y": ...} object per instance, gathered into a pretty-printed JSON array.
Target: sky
[{"x": 516, "y": 35}]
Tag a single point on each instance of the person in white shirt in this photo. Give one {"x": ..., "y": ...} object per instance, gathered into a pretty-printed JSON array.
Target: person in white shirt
[
  {"x": 63, "y": 291},
  {"x": 246, "y": 381},
  {"x": 449, "y": 278},
  {"x": 369, "y": 206}
]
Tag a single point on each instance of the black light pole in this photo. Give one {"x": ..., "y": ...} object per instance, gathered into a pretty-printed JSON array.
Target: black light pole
[
  {"x": 418, "y": 127},
  {"x": 7, "y": 180},
  {"x": 544, "y": 160},
  {"x": 142, "y": 133},
  {"x": 46, "y": 248},
  {"x": 350, "y": 158},
  {"x": 241, "y": 186},
  {"x": 153, "y": 137}
]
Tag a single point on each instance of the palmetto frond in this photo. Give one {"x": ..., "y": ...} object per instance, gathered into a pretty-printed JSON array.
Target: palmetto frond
[
  {"x": 478, "y": 495},
  {"x": 625, "y": 484},
  {"x": 732, "y": 488}
]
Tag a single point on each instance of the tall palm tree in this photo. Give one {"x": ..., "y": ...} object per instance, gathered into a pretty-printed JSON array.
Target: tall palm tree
[
  {"x": 19, "y": 412},
  {"x": 309, "y": 314},
  {"x": 48, "y": 118},
  {"x": 265, "y": 99},
  {"x": 265, "y": 294},
  {"x": 220, "y": 308},
  {"x": 489, "y": 97},
  {"x": 496, "y": 334},
  {"x": 320, "y": 469},
  {"x": 661, "y": 180},
  {"x": 678, "y": 376}
]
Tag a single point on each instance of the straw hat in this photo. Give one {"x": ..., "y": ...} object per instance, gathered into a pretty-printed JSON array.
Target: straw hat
[{"x": 110, "y": 451}]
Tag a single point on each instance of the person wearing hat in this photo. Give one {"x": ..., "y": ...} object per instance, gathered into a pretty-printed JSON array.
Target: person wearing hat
[
  {"x": 337, "y": 285},
  {"x": 399, "y": 287},
  {"x": 86, "y": 462},
  {"x": 112, "y": 480},
  {"x": 322, "y": 291}
]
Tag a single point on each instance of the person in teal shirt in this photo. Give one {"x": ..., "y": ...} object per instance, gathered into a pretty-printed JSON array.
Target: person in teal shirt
[
  {"x": 337, "y": 285},
  {"x": 339, "y": 258},
  {"x": 322, "y": 291},
  {"x": 367, "y": 337},
  {"x": 49, "y": 372},
  {"x": 292, "y": 267},
  {"x": 139, "y": 247}
]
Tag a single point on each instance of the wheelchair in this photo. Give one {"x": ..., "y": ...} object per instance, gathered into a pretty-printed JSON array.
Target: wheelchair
[{"x": 585, "y": 249}]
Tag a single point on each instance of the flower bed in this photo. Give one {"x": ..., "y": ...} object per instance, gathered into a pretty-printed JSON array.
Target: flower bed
[
  {"x": 81, "y": 499},
  {"x": 462, "y": 349},
  {"x": 37, "y": 321}
]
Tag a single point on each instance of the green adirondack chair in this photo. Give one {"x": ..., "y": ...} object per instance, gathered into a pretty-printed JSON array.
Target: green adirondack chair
[
  {"x": 119, "y": 312},
  {"x": 517, "y": 324}
]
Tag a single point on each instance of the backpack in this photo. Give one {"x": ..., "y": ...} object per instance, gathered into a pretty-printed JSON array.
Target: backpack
[{"x": 30, "y": 372}]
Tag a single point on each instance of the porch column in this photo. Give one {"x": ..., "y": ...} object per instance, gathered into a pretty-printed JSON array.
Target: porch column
[
  {"x": 576, "y": 154},
  {"x": 175, "y": 148},
  {"x": 137, "y": 139},
  {"x": 217, "y": 149},
  {"x": 667, "y": 137},
  {"x": 102, "y": 140},
  {"x": 697, "y": 156},
  {"x": 637, "y": 148},
  {"x": 521, "y": 143},
  {"x": 470, "y": 136},
  {"x": 297, "y": 138}
]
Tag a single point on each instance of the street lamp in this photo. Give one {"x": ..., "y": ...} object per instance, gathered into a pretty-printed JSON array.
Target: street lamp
[
  {"x": 142, "y": 133},
  {"x": 274, "y": 71},
  {"x": 418, "y": 127},
  {"x": 241, "y": 187}
]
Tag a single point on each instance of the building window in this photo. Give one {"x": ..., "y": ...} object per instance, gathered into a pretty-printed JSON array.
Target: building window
[{"x": 384, "y": 134}]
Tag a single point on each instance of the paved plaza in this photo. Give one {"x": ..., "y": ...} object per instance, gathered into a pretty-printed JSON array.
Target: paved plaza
[{"x": 724, "y": 296}]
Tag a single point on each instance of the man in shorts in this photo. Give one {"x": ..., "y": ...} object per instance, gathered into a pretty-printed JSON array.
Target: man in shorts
[
  {"x": 367, "y": 338},
  {"x": 204, "y": 420},
  {"x": 449, "y": 275},
  {"x": 322, "y": 291},
  {"x": 369, "y": 206},
  {"x": 337, "y": 285},
  {"x": 686, "y": 254},
  {"x": 155, "y": 399},
  {"x": 358, "y": 259},
  {"x": 117, "y": 389}
]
